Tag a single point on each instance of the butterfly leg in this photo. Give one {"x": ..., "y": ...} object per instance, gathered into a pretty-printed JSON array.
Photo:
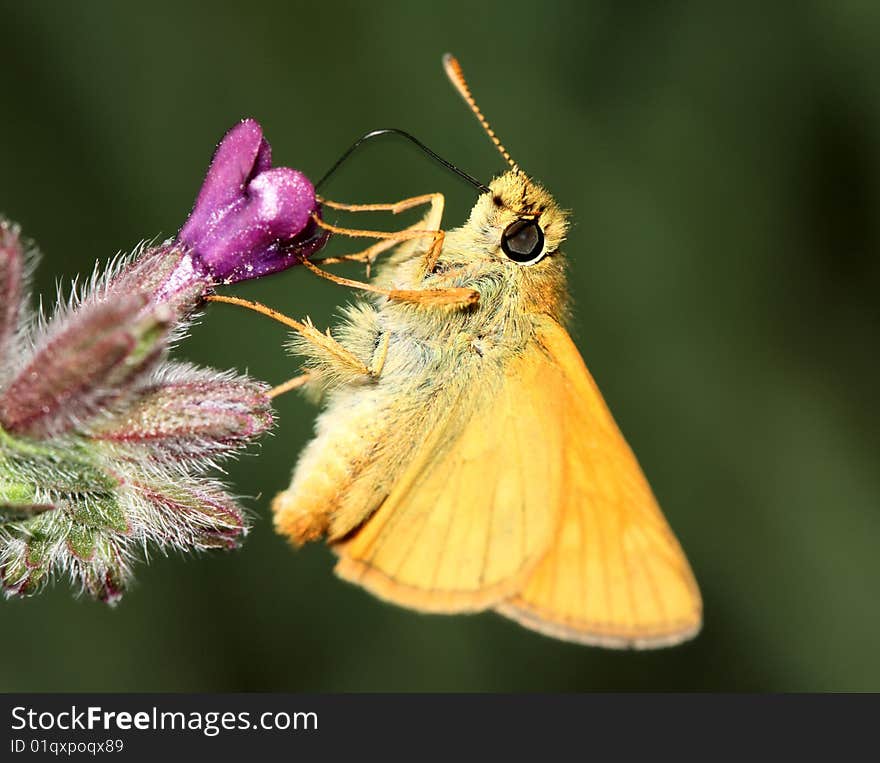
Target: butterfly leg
[
  {"x": 432, "y": 219},
  {"x": 454, "y": 297},
  {"x": 430, "y": 222},
  {"x": 367, "y": 255},
  {"x": 407, "y": 234},
  {"x": 295, "y": 383},
  {"x": 327, "y": 348}
]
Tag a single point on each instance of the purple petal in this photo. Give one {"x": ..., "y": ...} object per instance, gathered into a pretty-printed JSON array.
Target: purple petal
[
  {"x": 281, "y": 255},
  {"x": 275, "y": 208},
  {"x": 242, "y": 154}
]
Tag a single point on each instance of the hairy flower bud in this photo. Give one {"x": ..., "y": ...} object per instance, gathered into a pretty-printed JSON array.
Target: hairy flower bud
[
  {"x": 204, "y": 515},
  {"x": 85, "y": 366},
  {"x": 169, "y": 275},
  {"x": 11, "y": 276},
  {"x": 190, "y": 414},
  {"x": 103, "y": 445}
]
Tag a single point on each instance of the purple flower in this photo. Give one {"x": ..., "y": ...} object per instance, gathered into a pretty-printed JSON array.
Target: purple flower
[
  {"x": 105, "y": 445},
  {"x": 251, "y": 219}
]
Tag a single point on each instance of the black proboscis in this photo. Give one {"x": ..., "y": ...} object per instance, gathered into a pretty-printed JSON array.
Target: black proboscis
[{"x": 482, "y": 187}]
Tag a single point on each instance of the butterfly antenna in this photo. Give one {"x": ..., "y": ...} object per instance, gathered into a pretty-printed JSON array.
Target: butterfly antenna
[{"x": 456, "y": 77}]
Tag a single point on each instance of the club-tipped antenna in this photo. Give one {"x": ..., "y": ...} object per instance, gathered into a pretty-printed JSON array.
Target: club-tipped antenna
[{"x": 456, "y": 77}]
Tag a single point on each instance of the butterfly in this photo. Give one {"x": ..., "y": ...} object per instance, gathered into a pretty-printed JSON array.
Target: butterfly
[{"x": 465, "y": 459}]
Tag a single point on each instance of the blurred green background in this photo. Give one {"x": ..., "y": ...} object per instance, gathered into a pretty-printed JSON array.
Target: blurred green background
[{"x": 723, "y": 165}]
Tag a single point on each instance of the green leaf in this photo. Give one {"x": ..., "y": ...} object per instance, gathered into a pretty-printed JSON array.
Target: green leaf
[
  {"x": 68, "y": 469},
  {"x": 99, "y": 511},
  {"x": 15, "y": 492},
  {"x": 81, "y": 541},
  {"x": 37, "y": 550}
]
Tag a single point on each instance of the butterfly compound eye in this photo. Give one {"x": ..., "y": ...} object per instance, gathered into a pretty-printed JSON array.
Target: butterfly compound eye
[{"x": 522, "y": 241}]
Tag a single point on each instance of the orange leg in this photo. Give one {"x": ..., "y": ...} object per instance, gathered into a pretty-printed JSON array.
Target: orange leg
[
  {"x": 407, "y": 234},
  {"x": 307, "y": 331},
  {"x": 367, "y": 255},
  {"x": 432, "y": 219},
  {"x": 295, "y": 383},
  {"x": 429, "y": 226},
  {"x": 325, "y": 341},
  {"x": 459, "y": 297},
  {"x": 456, "y": 297}
]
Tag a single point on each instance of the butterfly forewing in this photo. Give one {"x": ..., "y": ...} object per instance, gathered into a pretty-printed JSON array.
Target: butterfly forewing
[{"x": 615, "y": 574}]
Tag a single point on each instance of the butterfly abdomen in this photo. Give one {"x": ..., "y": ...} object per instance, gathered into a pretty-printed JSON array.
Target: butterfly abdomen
[
  {"x": 325, "y": 479},
  {"x": 359, "y": 447}
]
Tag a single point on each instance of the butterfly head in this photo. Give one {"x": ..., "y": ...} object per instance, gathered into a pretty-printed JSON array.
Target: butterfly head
[
  {"x": 516, "y": 227},
  {"x": 519, "y": 222},
  {"x": 511, "y": 245}
]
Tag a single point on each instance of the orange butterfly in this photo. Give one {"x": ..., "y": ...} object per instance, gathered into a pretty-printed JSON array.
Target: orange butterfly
[{"x": 465, "y": 459}]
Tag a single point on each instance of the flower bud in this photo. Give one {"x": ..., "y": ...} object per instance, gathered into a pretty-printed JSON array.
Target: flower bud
[
  {"x": 168, "y": 275},
  {"x": 103, "y": 444},
  {"x": 189, "y": 414},
  {"x": 11, "y": 272},
  {"x": 89, "y": 363},
  {"x": 203, "y": 516}
]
